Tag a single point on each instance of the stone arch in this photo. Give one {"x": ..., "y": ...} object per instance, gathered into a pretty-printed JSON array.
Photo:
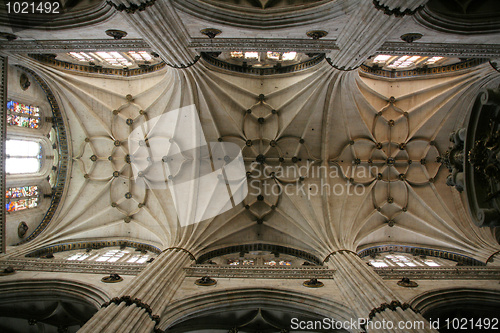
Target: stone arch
[
  {"x": 248, "y": 298},
  {"x": 457, "y": 303}
]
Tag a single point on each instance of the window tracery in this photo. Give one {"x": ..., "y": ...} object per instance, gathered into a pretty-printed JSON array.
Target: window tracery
[
  {"x": 405, "y": 62},
  {"x": 110, "y": 255},
  {"x": 23, "y": 156},
  {"x": 391, "y": 260},
  {"x": 130, "y": 59}
]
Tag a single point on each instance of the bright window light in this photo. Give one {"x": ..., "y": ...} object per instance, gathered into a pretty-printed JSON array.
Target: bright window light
[
  {"x": 22, "y": 156},
  {"x": 381, "y": 58},
  {"x": 433, "y": 60},
  {"x": 236, "y": 54},
  {"x": 273, "y": 55},
  {"x": 404, "y": 62},
  {"x": 22, "y": 165},
  {"x": 81, "y": 56},
  {"x": 378, "y": 263},
  {"x": 140, "y": 55},
  {"x": 289, "y": 56},
  {"x": 251, "y": 55},
  {"x": 22, "y": 148},
  {"x": 431, "y": 263}
]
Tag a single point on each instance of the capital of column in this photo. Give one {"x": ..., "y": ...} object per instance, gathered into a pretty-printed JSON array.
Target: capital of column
[
  {"x": 131, "y": 6},
  {"x": 399, "y": 8}
]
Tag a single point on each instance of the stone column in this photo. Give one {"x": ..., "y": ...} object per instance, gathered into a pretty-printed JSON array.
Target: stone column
[
  {"x": 137, "y": 309},
  {"x": 158, "y": 23},
  {"x": 369, "y": 297},
  {"x": 367, "y": 29}
]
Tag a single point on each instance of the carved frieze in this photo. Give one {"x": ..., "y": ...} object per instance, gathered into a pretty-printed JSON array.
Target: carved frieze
[
  {"x": 263, "y": 44},
  {"x": 57, "y": 265},
  {"x": 258, "y": 272},
  {"x": 80, "y": 45},
  {"x": 441, "y": 49},
  {"x": 440, "y": 273}
]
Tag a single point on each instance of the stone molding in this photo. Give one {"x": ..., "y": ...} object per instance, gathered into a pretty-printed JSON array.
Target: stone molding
[
  {"x": 64, "y": 164},
  {"x": 259, "y": 272},
  {"x": 441, "y": 49},
  {"x": 56, "y": 265},
  {"x": 80, "y": 45},
  {"x": 132, "y": 8},
  {"x": 3, "y": 136},
  {"x": 398, "y": 12},
  {"x": 263, "y": 44},
  {"x": 440, "y": 273}
]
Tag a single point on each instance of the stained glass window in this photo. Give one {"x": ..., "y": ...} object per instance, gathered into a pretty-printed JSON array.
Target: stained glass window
[
  {"x": 23, "y": 115},
  {"x": 278, "y": 263},
  {"x": 233, "y": 262},
  {"x": 236, "y": 54},
  {"x": 22, "y": 156},
  {"x": 20, "y": 198},
  {"x": 274, "y": 55}
]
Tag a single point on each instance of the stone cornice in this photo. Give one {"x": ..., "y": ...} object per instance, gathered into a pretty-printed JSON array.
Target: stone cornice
[
  {"x": 82, "y": 45},
  {"x": 64, "y": 163},
  {"x": 441, "y": 49},
  {"x": 55, "y": 265},
  {"x": 446, "y": 273},
  {"x": 260, "y": 272},
  {"x": 262, "y": 44},
  {"x": 3, "y": 137}
]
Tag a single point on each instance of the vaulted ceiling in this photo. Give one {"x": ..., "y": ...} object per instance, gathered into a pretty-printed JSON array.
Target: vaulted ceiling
[
  {"x": 361, "y": 152},
  {"x": 355, "y": 159}
]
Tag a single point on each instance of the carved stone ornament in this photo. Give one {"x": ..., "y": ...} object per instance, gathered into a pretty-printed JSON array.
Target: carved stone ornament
[
  {"x": 313, "y": 283},
  {"x": 453, "y": 159},
  {"x": 22, "y": 229},
  {"x": 411, "y": 37},
  {"x": 116, "y": 34},
  {"x": 8, "y": 36},
  {"x": 48, "y": 256},
  {"x": 205, "y": 281},
  {"x": 210, "y": 32},
  {"x": 405, "y": 282},
  {"x": 482, "y": 165},
  {"x": 24, "y": 82},
  {"x": 316, "y": 34},
  {"x": 112, "y": 278},
  {"x": 7, "y": 271}
]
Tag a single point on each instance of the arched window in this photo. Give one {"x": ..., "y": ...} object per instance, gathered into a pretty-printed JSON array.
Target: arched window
[
  {"x": 23, "y": 115},
  {"x": 125, "y": 255},
  {"x": 404, "y": 260},
  {"x": 23, "y": 156},
  {"x": 20, "y": 198}
]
